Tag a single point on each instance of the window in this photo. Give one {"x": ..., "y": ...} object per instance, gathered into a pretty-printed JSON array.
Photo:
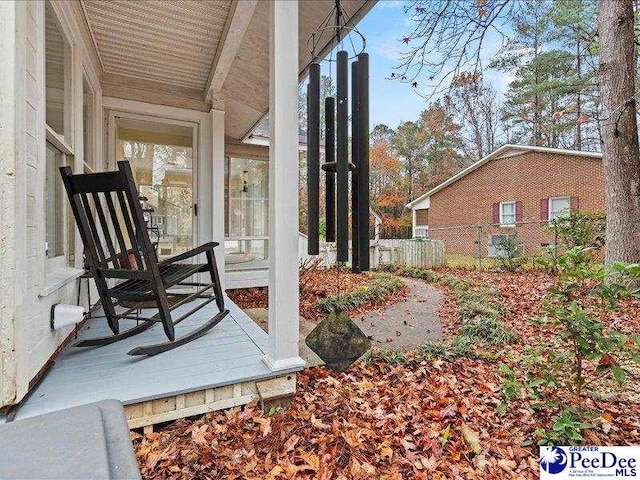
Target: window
[
  {"x": 59, "y": 235},
  {"x": 54, "y": 204},
  {"x": 508, "y": 213},
  {"x": 559, "y": 207},
  {"x": 247, "y": 213},
  {"x": 88, "y": 101},
  {"x": 421, "y": 232},
  {"x": 57, "y": 77}
]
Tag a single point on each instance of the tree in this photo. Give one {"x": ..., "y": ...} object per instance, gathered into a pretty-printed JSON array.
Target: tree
[
  {"x": 477, "y": 112},
  {"x": 447, "y": 38},
  {"x": 327, "y": 89},
  {"x": 442, "y": 143},
  {"x": 620, "y": 151},
  {"x": 535, "y": 97},
  {"x": 388, "y": 190},
  {"x": 575, "y": 26},
  {"x": 382, "y": 133},
  {"x": 410, "y": 147}
]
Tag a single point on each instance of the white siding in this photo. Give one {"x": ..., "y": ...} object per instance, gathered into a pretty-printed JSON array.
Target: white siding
[
  {"x": 8, "y": 162},
  {"x": 27, "y": 340}
]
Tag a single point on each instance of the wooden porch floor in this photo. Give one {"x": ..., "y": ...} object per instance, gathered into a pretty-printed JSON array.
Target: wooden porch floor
[{"x": 229, "y": 355}]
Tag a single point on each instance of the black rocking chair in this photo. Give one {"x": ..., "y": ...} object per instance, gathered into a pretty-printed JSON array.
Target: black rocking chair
[{"x": 132, "y": 260}]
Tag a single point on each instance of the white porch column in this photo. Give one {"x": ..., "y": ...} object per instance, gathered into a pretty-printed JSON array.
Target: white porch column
[
  {"x": 282, "y": 349},
  {"x": 217, "y": 190}
]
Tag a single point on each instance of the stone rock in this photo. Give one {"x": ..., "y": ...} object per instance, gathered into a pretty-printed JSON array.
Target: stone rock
[{"x": 338, "y": 341}]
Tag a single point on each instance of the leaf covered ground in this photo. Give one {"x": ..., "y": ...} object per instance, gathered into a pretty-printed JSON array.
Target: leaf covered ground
[{"x": 407, "y": 417}]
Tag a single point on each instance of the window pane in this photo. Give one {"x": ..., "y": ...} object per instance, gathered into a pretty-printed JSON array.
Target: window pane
[
  {"x": 87, "y": 125},
  {"x": 247, "y": 204},
  {"x": 508, "y": 213},
  {"x": 559, "y": 207},
  {"x": 161, "y": 156},
  {"x": 55, "y": 52},
  {"x": 54, "y": 204},
  {"x": 508, "y": 208}
]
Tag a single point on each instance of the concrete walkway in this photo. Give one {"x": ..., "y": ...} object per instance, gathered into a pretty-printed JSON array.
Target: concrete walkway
[
  {"x": 408, "y": 323},
  {"x": 402, "y": 326}
]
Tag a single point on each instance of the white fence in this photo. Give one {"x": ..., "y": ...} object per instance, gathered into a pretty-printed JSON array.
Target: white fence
[{"x": 418, "y": 253}]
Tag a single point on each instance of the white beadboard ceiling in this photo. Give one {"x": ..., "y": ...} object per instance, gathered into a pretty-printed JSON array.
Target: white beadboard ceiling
[
  {"x": 171, "y": 42},
  {"x": 174, "y": 42}
]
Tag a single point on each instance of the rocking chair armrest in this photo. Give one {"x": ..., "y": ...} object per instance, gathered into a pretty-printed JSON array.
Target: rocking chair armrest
[{"x": 191, "y": 253}]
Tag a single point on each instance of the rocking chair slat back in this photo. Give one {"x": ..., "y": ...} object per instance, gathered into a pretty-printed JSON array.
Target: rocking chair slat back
[
  {"x": 110, "y": 219},
  {"x": 132, "y": 234}
]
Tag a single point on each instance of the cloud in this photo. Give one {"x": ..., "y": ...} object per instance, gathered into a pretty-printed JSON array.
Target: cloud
[
  {"x": 390, "y": 4},
  {"x": 386, "y": 50}
]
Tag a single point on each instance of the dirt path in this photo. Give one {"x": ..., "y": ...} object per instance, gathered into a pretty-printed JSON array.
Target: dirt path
[{"x": 406, "y": 324}]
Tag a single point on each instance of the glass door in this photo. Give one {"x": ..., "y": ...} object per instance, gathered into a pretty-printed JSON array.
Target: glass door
[{"x": 162, "y": 159}]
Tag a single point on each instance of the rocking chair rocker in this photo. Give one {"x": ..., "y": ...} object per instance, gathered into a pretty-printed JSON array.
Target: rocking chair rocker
[{"x": 133, "y": 259}]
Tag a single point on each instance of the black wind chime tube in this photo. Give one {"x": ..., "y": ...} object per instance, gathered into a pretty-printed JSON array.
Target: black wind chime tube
[
  {"x": 363, "y": 160},
  {"x": 313, "y": 159},
  {"x": 355, "y": 258},
  {"x": 330, "y": 176},
  {"x": 342, "y": 165}
]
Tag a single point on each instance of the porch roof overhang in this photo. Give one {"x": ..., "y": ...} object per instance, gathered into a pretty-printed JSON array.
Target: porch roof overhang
[{"x": 198, "y": 55}]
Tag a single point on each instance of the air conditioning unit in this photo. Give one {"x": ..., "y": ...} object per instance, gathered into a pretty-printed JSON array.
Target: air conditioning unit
[{"x": 421, "y": 232}]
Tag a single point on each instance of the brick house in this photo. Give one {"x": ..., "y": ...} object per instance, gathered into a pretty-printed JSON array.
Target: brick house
[{"x": 514, "y": 191}]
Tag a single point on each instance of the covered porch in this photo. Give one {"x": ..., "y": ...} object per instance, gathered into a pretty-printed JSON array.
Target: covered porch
[
  {"x": 223, "y": 369},
  {"x": 176, "y": 88}
]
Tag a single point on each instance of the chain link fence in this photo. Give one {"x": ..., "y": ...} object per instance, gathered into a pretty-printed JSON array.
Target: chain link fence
[{"x": 485, "y": 244}]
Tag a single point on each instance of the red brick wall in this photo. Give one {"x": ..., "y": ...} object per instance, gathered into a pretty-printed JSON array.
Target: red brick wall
[
  {"x": 422, "y": 216},
  {"x": 458, "y": 210}
]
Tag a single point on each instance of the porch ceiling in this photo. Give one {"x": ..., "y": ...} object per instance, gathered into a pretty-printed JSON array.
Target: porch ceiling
[
  {"x": 170, "y": 42},
  {"x": 190, "y": 53}
]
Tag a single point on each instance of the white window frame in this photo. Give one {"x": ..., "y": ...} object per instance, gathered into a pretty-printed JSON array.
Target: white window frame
[
  {"x": 515, "y": 214},
  {"x": 421, "y": 228},
  {"x": 64, "y": 144},
  {"x": 559, "y": 215}
]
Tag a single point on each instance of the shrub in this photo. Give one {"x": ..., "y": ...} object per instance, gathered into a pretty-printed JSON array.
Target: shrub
[
  {"x": 380, "y": 288},
  {"x": 580, "y": 229},
  {"x": 488, "y": 331},
  {"x": 584, "y": 350},
  {"x": 511, "y": 258}
]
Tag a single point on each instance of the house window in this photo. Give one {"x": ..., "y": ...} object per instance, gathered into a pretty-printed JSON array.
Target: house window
[
  {"x": 559, "y": 207},
  {"x": 247, "y": 214},
  {"x": 54, "y": 204},
  {"x": 88, "y": 102},
  {"x": 58, "y": 241},
  {"x": 508, "y": 213},
  {"x": 57, "y": 77},
  {"x": 421, "y": 232}
]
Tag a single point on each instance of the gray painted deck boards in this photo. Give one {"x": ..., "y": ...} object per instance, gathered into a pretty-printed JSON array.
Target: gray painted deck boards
[{"x": 230, "y": 353}]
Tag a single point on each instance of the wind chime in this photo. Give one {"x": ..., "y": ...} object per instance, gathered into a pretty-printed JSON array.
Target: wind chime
[
  {"x": 337, "y": 340},
  {"x": 341, "y": 169}
]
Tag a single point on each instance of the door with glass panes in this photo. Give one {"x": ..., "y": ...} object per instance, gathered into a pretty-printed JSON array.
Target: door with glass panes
[{"x": 162, "y": 157}]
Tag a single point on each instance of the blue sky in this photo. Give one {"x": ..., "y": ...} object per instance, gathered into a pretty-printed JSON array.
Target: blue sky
[{"x": 391, "y": 101}]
